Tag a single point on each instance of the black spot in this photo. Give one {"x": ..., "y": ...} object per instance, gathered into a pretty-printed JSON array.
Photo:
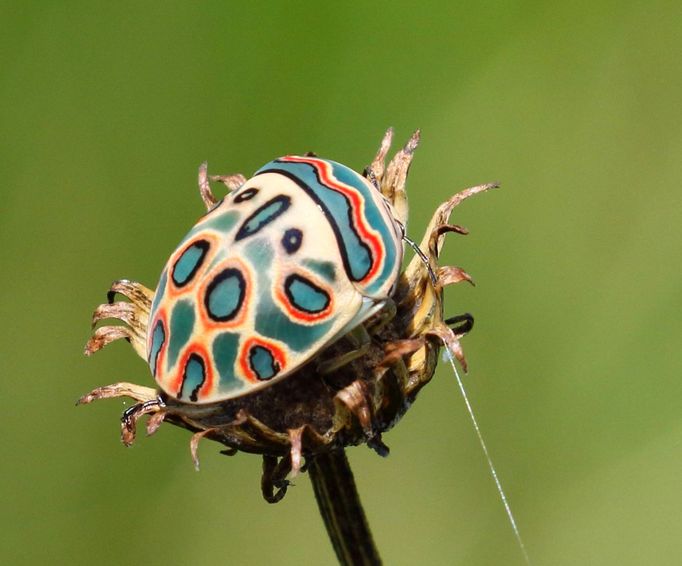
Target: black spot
[
  {"x": 189, "y": 264},
  {"x": 263, "y": 363},
  {"x": 292, "y": 240},
  {"x": 263, "y": 216},
  {"x": 246, "y": 194},
  {"x": 225, "y": 295}
]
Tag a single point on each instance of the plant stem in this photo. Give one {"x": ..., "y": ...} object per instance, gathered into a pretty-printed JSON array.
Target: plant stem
[{"x": 341, "y": 510}]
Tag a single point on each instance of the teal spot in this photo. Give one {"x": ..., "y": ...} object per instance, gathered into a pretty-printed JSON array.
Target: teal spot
[
  {"x": 181, "y": 326},
  {"x": 160, "y": 292},
  {"x": 158, "y": 338},
  {"x": 305, "y": 295},
  {"x": 189, "y": 262},
  {"x": 263, "y": 216},
  {"x": 263, "y": 363},
  {"x": 224, "y": 356},
  {"x": 220, "y": 222},
  {"x": 225, "y": 295},
  {"x": 271, "y": 321},
  {"x": 193, "y": 378},
  {"x": 223, "y": 222},
  {"x": 324, "y": 269},
  {"x": 373, "y": 215}
]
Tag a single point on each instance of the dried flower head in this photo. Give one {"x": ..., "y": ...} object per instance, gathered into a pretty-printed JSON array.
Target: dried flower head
[{"x": 351, "y": 392}]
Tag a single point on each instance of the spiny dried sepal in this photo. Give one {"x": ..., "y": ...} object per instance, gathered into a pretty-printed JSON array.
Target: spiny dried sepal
[
  {"x": 296, "y": 452},
  {"x": 126, "y": 312},
  {"x": 306, "y": 414},
  {"x": 155, "y": 421},
  {"x": 135, "y": 292},
  {"x": 442, "y": 215},
  {"x": 205, "y": 190},
  {"x": 448, "y": 338},
  {"x": 355, "y": 400},
  {"x": 106, "y": 335},
  {"x": 396, "y": 350},
  {"x": 421, "y": 304},
  {"x": 194, "y": 445},
  {"x": 133, "y": 314},
  {"x": 449, "y": 275},
  {"x": 375, "y": 171},
  {"x": 394, "y": 180},
  {"x": 447, "y": 228},
  {"x": 232, "y": 182},
  {"x": 133, "y": 391}
]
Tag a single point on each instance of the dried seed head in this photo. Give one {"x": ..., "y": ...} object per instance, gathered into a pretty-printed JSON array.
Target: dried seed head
[{"x": 308, "y": 413}]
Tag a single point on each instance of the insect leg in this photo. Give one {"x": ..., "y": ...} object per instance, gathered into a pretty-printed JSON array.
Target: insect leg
[
  {"x": 376, "y": 324},
  {"x": 362, "y": 340}
]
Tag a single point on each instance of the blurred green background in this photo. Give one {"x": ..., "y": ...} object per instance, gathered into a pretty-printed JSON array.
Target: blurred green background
[{"x": 106, "y": 111}]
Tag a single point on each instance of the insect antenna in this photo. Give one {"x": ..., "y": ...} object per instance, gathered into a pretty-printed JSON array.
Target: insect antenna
[{"x": 423, "y": 257}]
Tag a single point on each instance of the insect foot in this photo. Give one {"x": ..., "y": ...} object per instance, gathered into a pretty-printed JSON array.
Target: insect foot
[{"x": 148, "y": 404}]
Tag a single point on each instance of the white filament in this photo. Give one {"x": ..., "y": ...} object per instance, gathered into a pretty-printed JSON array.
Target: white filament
[{"x": 507, "y": 508}]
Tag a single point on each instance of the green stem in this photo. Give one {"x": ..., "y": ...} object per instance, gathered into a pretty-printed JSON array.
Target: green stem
[{"x": 341, "y": 510}]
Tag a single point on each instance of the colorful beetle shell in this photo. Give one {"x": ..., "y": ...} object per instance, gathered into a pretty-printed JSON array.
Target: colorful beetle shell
[{"x": 295, "y": 258}]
